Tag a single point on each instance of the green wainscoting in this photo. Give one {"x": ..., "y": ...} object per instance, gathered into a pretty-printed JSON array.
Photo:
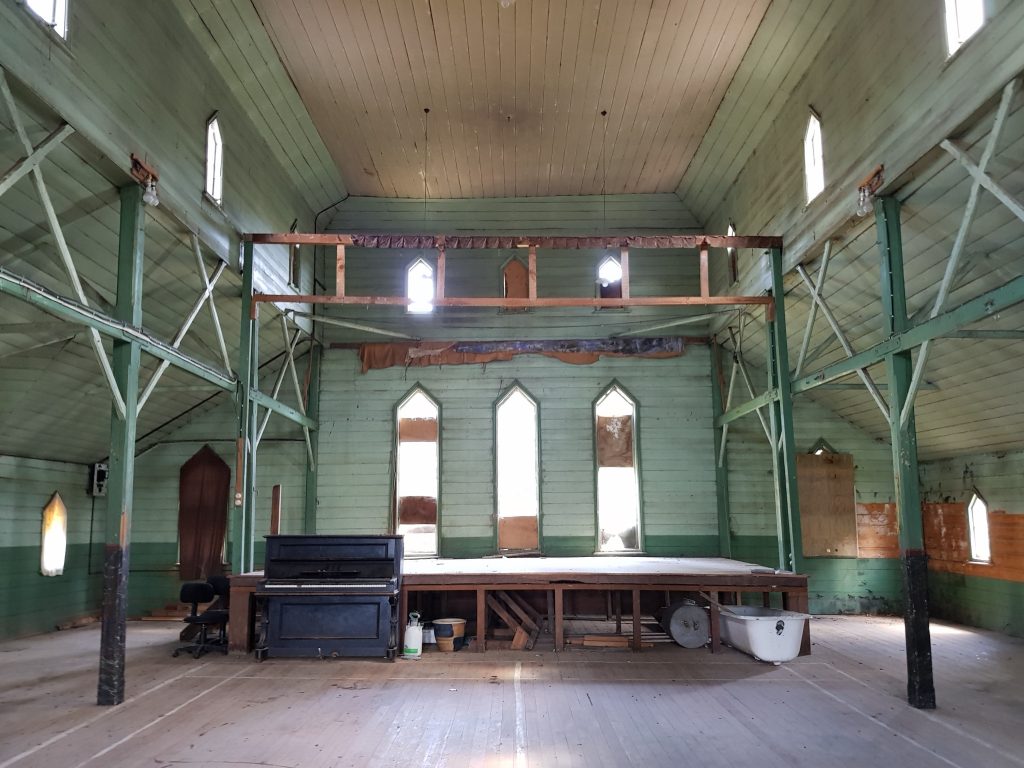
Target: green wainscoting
[{"x": 978, "y": 602}]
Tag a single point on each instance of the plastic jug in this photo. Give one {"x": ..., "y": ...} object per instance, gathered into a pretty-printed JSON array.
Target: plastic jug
[{"x": 412, "y": 647}]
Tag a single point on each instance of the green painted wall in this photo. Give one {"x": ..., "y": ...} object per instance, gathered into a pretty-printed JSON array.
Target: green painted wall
[
  {"x": 677, "y": 472},
  {"x": 837, "y": 585},
  {"x": 966, "y": 598}
]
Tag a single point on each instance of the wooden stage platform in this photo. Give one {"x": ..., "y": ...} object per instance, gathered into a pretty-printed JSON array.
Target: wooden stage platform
[{"x": 712, "y": 577}]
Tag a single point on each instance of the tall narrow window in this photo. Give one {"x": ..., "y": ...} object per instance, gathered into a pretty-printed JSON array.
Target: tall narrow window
[
  {"x": 609, "y": 279},
  {"x": 214, "y": 161},
  {"x": 54, "y": 14},
  {"x": 516, "y": 471},
  {"x": 814, "y": 163},
  {"x": 55, "y": 537},
  {"x": 419, "y": 287},
  {"x": 733, "y": 261},
  {"x": 618, "y": 485},
  {"x": 963, "y": 19},
  {"x": 417, "y": 472},
  {"x": 977, "y": 524}
]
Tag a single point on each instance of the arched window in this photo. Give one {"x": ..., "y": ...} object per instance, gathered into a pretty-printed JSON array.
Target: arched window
[
  {"x": 618, "y": 476},
  {"x": 419, "y": 287},
  {"x": 214, "y": 161},
  {"x": 963, "y": 19},
  {"x": 517, "y": 470},
  {"x": 814, "y": 163},
  {"x": 417, "y": 472},
  {"x": 977, "y": 526},
  {"x": 55, "y": 537}
]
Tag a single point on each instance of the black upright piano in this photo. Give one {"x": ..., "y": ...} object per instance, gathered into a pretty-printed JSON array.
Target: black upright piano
[{"x": 326, "y": 596}]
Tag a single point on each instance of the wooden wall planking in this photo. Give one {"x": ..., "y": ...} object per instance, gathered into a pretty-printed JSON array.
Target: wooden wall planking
[{"x": 677, "y": 473}]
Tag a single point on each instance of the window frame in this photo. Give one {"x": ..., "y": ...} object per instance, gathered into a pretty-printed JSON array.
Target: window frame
[
  {"x": 216, "y": 181},
  {"x": 58, "y": 30},
  {"x": 433, "y": 284},
  {"x": 961, "y": 41},
  {"x": 394, "y": 524},
  {"x": 814, "y": 119},
  {"x": 640, "y": 528},
  {"x": 973, "y": 558},
  {"x": 502, "y": 397}
]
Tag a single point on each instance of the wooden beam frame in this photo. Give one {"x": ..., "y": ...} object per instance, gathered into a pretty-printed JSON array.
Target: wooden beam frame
[
  {"x": 503, "y": 303},
  {"x": 491, "y": 242}
]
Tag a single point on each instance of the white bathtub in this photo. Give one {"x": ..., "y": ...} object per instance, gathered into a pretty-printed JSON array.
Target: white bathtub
[{"x": 767, "y": 634}]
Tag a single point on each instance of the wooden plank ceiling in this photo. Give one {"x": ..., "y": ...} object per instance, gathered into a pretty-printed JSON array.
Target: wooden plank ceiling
[{"x": 515, "y": 94}]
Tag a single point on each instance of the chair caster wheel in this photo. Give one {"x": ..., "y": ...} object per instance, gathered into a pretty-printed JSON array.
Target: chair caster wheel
[{"x": 174, "y": 655}]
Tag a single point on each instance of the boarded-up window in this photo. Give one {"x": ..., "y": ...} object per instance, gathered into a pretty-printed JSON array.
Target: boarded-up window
[
  {"x": 517, "y": 280},
  {"x": 416, "y": 473},
  {"x": 618, "y": 487},
  {"x": 828, "y": 518}
]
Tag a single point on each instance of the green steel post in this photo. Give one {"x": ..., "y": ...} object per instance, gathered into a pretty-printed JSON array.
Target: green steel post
[
  {"x": 313, "y": 411},
  {"x": 121, "y": 477},
  {"x": 782, "y": 384},
  {"x": 246, "y": 418},
  {"x": 899, "y": 370},
  {"x": 721, "y": 470},
  {"x": 782, "y": 532}
]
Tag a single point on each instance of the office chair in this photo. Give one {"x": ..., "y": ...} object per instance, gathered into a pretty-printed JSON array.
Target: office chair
[{"x": 196, "y": 592}]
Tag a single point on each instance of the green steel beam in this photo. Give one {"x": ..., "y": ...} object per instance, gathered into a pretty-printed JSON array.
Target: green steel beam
[
  {"x": 126, "y": 331},
  {"x": 313, "y": 411},
  {"x": 246, "y": 432},
  {"x": 972, "y": 311},
  {"x": 721, "y": 468},
  {"x": 903, "y": 433},
  {"x": 769, "y": 396},
  {"x": 292, "y": 414},
  {"x": 990, "y": 335},
  {"x": 121, "y": 477},
  {"x": 780, "y": 381}
]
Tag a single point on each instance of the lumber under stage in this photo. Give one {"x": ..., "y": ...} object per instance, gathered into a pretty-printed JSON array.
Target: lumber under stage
[{"x": 713, "y": 577}]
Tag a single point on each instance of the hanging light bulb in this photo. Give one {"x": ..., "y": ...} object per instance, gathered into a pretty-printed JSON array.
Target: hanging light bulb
[{"x": 149, "y": 197}]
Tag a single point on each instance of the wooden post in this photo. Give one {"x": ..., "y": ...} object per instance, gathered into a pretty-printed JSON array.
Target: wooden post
[
  {"x": 624, "y": 263},
  {"x": 559, "y": 620},
  {"x": 636, "y": 620},
  {"x": 439, "y": 285},
  {"x": 275, "y": 510},
  {"x": 532, "y": 271},
  {"x": 705, "y": 282},
  {"x": 899, "y": 368},
  {"x": 339, "y": 272},
  {"x": 481, "y": 619},
  {"x": 121, "y": 477}
]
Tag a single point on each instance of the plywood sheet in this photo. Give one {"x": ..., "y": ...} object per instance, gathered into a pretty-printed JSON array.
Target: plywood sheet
[
  {"x": 518, "y": 533},
  {"x": 877, "y": 530},
  {"x": 417, "y": 430},
  {"x": 615, "y": 441},
  {"x": 827, "y": 514},
  {"x": 417, "y": 510}
]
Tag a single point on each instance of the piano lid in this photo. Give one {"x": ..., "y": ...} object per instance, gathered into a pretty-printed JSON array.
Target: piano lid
[{"x": 333, "y": 558}]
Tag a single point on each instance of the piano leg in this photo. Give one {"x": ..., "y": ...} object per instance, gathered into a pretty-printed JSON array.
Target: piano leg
[
  {"x": 403, "y": 614},
  {"x": 393, "y": 639}
]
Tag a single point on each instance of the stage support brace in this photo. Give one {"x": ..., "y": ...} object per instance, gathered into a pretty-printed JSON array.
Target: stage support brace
[
  {"x": 721, "y": 468},
  {"x": 899, "y": 370},
  {"x": 781, "y": 409},
  {"x": 121, "y": 479},
  {"x": 313, "y": 412},
  {"x": 243, "y": 512}
]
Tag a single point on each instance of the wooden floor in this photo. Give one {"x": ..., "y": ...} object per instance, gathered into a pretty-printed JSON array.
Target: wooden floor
[{"x": 842, "y": 706}]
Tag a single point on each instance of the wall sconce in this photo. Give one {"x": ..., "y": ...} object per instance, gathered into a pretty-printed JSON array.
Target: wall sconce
[{"x": 148, "y": 177}]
